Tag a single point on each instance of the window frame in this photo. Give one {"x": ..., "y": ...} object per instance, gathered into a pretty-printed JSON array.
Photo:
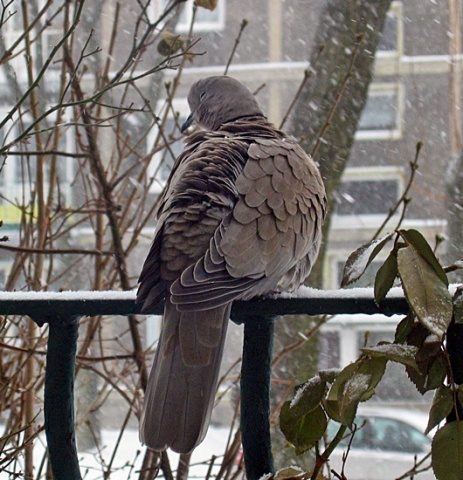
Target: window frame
[
  {"x": 10, "y": 35},
  {"x": 376, "y": 89},
  {"x": 376, "y": 173},
  {"x": 157, "y": 7},
  {"x": 184, "y": 22},
  {"x": 396, "y": 9},
  {"x": 12, "y": 189}
]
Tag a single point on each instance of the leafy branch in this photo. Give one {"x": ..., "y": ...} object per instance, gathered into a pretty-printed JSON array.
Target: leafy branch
[{"x": 420, "y": 345}]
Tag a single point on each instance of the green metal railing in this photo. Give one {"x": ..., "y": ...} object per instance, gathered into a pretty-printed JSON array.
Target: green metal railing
[{"x": 62, "y": 312}]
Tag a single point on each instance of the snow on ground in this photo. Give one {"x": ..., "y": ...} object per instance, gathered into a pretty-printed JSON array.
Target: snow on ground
[
  {"x": 130, "y": 452},
  {"x": 129, "y": 456}
]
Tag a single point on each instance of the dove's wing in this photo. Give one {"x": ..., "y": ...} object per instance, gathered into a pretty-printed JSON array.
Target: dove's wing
[{"x": 270, "y": 239}]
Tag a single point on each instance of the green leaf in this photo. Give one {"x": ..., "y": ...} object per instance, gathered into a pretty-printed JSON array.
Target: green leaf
[
  {"x": 413, "y": 237},
  {"x": 359, "y": 260},
  {"x": 437, "y": 373},
  {"x": 431, "y": 362},
  {"x": 442, "y": 405},
  {"x": 404, "y": 328},
  {"x": 404, "y": 354},
  {"x": 356, "y": 383},
  {"x": 332, "y": 409},
  {"x": 385, "y": 277},
  {"x": 426, "y": 294},
  {"x": 302, "y": 431},
  {"x": 447, "y": 452},
  {"x": 308, "y": 396},
  {"x": 431, "y": 374},
  {"x": 329, "y": 376}
]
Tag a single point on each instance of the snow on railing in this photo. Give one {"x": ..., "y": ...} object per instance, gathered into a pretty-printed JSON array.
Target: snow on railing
[{"x": 62, "y": 311}]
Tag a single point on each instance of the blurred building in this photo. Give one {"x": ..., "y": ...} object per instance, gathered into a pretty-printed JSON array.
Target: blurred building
[{"x": 415, "y": 96}]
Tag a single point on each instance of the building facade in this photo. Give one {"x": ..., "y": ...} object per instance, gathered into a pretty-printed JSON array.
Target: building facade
[{"x": 415, "y": 97}]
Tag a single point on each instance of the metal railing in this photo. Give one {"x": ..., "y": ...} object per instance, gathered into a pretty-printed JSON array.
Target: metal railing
[{"x": 63, "y": 310}]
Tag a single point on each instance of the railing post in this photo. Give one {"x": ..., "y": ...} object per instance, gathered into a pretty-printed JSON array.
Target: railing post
[
  {"x": 55, "y": 307},
  {"x": 59, "y": 398},
  {"x": 455, "y": 351},
  {"x": 255, "y": 395}
]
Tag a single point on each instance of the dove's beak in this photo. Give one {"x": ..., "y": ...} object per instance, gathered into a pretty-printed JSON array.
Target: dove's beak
[{"x": 187, "y": 123}]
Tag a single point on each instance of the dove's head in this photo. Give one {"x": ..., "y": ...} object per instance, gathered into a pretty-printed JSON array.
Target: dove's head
[{"x": 216, "y": 100}]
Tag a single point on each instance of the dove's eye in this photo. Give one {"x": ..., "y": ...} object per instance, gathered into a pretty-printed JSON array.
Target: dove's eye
[{"x": 202, "y": 95}]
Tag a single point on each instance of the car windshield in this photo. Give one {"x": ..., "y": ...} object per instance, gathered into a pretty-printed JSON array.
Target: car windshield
[{"x": 385, "y": 434}]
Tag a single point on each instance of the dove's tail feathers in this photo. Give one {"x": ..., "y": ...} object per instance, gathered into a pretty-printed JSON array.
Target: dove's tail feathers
[{"x": 183, "y": 380}]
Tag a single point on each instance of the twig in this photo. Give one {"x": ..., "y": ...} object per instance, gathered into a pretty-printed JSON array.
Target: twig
[
  {"x": 339, "y": 94},
  {"x": 243, "y": 25},
  {"x": 404, "y": 199},
  {"x": 59, "y": 153},
  {"x": 109, "y": 204},
  {"x": 55, "y": 251},
  {"x": 298, "y": 343},
  {"x": 458, "y": 265},
  {"x": 45, "y": 67},
  {"x": 307, "y": 74}
]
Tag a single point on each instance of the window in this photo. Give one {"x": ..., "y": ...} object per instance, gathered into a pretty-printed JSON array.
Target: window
[
  {"x": 329, "y": 350},
  {"x": 381, "y": 118},
  {"x": 391, "y": 40},
  {"x": 205, "y": 20},
  {"x": 369, "y": 191},
  {"x": 162, "y": 161},
  {"x": 44, "y": 36},
  {"x": 3, "y": 275},
  {"x": 366, "y": 197},
  {"x": 18, "y": 175}
]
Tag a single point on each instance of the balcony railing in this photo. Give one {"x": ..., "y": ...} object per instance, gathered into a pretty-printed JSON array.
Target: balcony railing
[{"x": 63, "y": 310}]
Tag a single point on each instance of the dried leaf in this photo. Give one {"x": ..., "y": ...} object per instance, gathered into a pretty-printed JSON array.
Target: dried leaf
[
  {"x": 288, "y": 473},
  {"x": 207, "y": 4},
  {"x": 170, "y": 43}
]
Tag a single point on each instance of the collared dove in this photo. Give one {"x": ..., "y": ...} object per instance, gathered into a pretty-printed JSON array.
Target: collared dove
[{"x": 241, "y": 216}]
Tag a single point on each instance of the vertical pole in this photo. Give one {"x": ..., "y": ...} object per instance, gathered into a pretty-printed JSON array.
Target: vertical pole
[
  {"x": 455, "y": 351},
  {"x": 255, "y": 395},
  {"x": 59, "y": 398}
]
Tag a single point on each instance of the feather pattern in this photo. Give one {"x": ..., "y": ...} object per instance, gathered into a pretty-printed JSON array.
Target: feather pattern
[{"x": 241, "y": 216}]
